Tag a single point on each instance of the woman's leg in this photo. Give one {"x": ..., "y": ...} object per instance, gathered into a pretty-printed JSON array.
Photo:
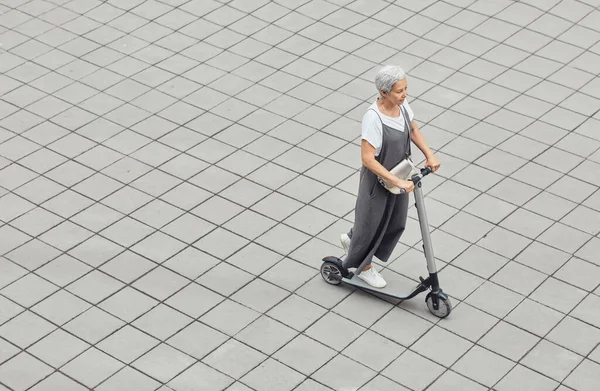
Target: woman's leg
[{"x": 395, "y": 228}]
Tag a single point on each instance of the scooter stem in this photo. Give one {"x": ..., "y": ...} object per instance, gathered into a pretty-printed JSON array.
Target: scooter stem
[{"x": 424, "y": 224}]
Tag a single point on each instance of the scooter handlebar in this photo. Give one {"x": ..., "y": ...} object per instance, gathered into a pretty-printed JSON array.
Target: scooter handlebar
[{"x": 417, "y": 178}]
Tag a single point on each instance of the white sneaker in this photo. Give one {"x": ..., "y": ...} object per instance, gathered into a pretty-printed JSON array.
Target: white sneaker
[
  {"x": 372, "y": 277},
  {"x": 345, "y": 239}
]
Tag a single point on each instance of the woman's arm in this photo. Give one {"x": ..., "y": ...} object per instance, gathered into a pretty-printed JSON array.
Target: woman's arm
[
  {"x": 367, "y": 152},
  {"x": 417, "y": 138}
]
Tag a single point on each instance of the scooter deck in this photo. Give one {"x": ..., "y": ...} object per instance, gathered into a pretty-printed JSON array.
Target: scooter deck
[{"x": 389, "y": 291}]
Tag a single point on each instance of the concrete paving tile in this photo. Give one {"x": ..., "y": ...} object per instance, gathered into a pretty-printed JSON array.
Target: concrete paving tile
[
  {"x": 246, "y": 193},
  {"x": 197, "y": 340},
  {"x": 373, "y": 309},
  {"x": 452, "y": 380},
  {"x": 381, "y": 383},
  {"x": 415, "y": 326},
  {"x": 584, "y": 219},
  {"x": 470, "y": 331},
  {"x": 289, "y": 274},
  {"x": 58, "y": 348},
  {"x": 229, "y": 317},
  {"x": 483, "y": 366},
  {"x": 521, "y": 376},
  {"x": 326, "y": 330},
  {"x": 542, "y": 257},
  {"x": 58, "y": 381},
  {"x": 25, "y": 329},
  {"x": 260, "y": 295},
  {"x": 63, "y": 270},
  {"x": 127, "y": 344},
  {"x": 93, "y": 325},
  {"x": 558, "y": 295},
  {"x": 162, "y": 322},
  {"x": 32, "y": 254},
  {"x": 266, "y": 335},
  {"x": 584, "y": 311},
  {"x": 480, "y": 261},
  {"x": 163, "y": 363},
  {"x": 160, "y": 283},
  {"x": 413, "y": 370},
  {"x": 29, "y": 290},
  {"x": 441, "y": 346},
  {"x": 234, "y": 358},
  {"x": 60, "y": 307},
  {"x": 128, "y": 304},
  {"x": 560, "y": 365},
  {"x": 201, "y": 376},
  {"x": 214, "y": 243},
  {"x": 92, "y": 367},
  {"x": 7, "y": 350},
  {"x": 587, "y": 251},
  {"x": 308, "y": 385},
  {"x": 361, "y": 350},
  {"x": 459, "y": 283},
  {"x": 10, "y": 272},
  {"x": 587, "y": 274},
  {"x": 519, "y": 278},
  {"x": 357, "y": 374},
  {"x": 129, "y": 378},
  {"x": 467, "y": 227},
  {"x": 504, "y": 242},
  {"x": 584, "y": 376},
  {"x": 296, "y": 312},
  {"x": 94, "y": 287},
  {"x": 494, "y": 299},
  {"x": 271, "y": 375},
  {"x": 186, "y": 300},
  {"x": 526, "y": 223},
  {"x": 23, "y": 371},
  {"x": 509, "y": 341},
  {"x": 534, "y": 318},
  {"x": 575, "y": 335}
]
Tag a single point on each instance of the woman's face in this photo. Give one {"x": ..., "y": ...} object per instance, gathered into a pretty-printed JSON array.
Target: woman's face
[{"x": 398, "y": 93}]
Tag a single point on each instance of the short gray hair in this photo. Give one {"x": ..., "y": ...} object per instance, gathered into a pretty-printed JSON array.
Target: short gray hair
[{"x": 388, "y": 76}]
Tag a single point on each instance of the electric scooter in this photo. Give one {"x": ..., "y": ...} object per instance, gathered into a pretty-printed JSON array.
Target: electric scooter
[{"x": 438, "y": 303}]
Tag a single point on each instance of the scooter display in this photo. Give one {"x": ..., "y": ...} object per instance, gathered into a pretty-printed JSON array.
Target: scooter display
[{"x": 438, "y": 303}]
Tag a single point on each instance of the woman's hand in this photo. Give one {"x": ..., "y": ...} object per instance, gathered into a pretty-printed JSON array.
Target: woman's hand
[
  {"x": 408, "y": 186},
  {"x": 433, "y": 162}
]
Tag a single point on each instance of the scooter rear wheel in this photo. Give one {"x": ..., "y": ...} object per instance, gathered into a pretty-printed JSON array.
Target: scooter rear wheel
[
  {"x": 444, "y": 307},
  {"x": 331, "y": 273}
]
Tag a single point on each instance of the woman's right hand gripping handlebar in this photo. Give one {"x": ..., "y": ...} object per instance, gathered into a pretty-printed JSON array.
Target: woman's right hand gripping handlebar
[{"x": 404, "y": 186}]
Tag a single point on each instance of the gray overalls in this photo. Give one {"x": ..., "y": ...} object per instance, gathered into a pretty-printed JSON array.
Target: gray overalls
[{"x": 379, "y": 216}]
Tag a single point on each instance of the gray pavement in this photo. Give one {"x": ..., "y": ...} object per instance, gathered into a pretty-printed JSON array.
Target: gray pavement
[{"x": 173, "y": 171}]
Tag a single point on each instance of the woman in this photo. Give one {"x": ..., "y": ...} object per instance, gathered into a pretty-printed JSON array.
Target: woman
[{"x": 380, "y": 216}]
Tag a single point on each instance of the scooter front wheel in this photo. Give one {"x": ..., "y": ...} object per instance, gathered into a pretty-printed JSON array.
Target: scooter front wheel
[
  {"x": 331, "y": 273},
  {"x": 444, "y": 306}
]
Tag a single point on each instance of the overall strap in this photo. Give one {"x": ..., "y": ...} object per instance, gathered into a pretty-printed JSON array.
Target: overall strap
[{"x": 408, "y": 128}]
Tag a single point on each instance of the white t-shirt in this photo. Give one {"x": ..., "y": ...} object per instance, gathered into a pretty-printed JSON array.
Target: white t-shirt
[{"x": 372, "y": 130}]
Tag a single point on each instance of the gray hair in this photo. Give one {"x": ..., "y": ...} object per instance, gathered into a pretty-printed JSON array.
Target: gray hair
[{"x": 388, "y": 76}]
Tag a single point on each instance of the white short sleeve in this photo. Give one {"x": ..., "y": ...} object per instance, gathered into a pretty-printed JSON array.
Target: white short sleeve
[{"x": 372, "y": 130}]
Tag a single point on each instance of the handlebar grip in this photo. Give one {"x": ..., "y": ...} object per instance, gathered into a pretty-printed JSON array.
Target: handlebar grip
[{"x": 417, "y": 178}]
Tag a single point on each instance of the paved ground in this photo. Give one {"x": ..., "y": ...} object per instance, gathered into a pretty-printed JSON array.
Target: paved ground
[{"x": 173, "y": 171}]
